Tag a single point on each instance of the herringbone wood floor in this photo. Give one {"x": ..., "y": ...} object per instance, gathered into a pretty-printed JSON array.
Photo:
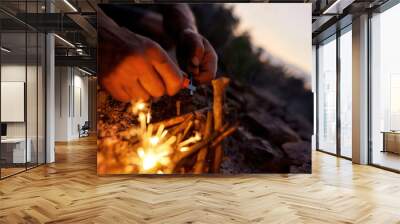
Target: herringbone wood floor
[{"x": 69, "y": 191}]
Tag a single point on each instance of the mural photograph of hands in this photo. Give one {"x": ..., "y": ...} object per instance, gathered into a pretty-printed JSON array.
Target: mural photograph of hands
[
  {"x": 156, "y": 111},
  {"x": 204, "y": 89}
]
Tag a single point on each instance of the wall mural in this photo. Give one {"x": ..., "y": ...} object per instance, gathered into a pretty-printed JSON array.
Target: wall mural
[{"x": 204, "y": 88}]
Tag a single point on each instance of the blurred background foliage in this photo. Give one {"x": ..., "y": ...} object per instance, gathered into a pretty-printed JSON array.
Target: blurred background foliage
[{"x": 241, "y": 60}]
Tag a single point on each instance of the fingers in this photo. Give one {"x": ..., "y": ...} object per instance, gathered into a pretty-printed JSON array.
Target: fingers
[
  {"x": 126, "y": 76},
  {"x": 136, "y": 91},
  {"x": 140, "y": 80},
  {"x": 191, "y": 51},
  {"x": 115, "y": 90},
  {"x": 196, "y": 50},
  {"x": 124, "y": 84},
  {"x": 151, "y": 81},
  {"x": 197, "y": 57},
  {"x": 166, "y": 68},
  {"x": 208, "y": 66}
]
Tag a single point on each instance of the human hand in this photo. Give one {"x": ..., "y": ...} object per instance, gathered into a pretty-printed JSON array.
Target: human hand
[
  {"x": 136, "y": 68},
  {"x": 196, "y": 56}
]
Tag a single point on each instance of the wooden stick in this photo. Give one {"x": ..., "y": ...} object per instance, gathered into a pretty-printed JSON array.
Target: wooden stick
[
  {"x": 173, "y": 121},
  {"x": 213, "y": 141},
  {"x": 187, "y": 128},
  {"x": 201, "y": 156},
  {"x": 178, "y": 139},
  {"x": 223, "y": 135},
  {"x": 179, "y": 119},
  {"x": 181, "y": 127},
  {"x": 219, "y": 86},
  {"x": 194, "y": 148}
]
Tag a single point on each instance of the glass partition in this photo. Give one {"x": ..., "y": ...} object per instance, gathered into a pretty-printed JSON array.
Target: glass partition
[
  {"x": 22, "y": 88},
  {"x": 14, "y": 151},
  {"x": 31, "y": 99},
  {"x": 41, "y": 97},
  {"x": 33, "y": 65}
]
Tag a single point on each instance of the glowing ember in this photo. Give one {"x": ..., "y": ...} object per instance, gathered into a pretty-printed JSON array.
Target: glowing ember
[
  {"x": 156, "y": 148},
  {"x": 149, "y": 161},
  {"x": 138, "y": 107},
  {"x": 186, "y": 143},
  {"x": 154, "y": 140},
  {"x": 193, "y": 139},
  {"x": 184, "y": 149},
  {"x": 148, "y": 117}
]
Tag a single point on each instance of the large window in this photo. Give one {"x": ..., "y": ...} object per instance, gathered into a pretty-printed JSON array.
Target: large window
[
  {"x": 335, "y": 94},
  {"x": 327, "y": 96},
  {"x": 345, "y": 92},
  {"x": 385, "y": 89}
]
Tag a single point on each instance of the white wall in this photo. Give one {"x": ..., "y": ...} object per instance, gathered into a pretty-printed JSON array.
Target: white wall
[
  {"x": 80, "y": 102},
  {"x": 15, "y": 72},
  {"x": 61, "y": 104},
  {"x": 71, "y": 102},
  {"x": 10, "y": 73},
  {"x": 33, "y": 127}
]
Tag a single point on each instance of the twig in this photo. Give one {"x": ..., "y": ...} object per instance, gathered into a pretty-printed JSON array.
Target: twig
[
  {"x": 219, "y": 86},
  {"x": 193, "y": 149},
  {"x": 223, "y": 135},
  {"x": 179, "y": 119},
  {"x": 201, "y": 156},
  {"x": 181, "y": 127},
  {"x": 187, "y": 128},
  {"x": 173, "y": 121}
]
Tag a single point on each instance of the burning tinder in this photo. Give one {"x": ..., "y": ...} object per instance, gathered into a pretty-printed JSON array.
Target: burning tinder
[{"x": 187, "y": 143}]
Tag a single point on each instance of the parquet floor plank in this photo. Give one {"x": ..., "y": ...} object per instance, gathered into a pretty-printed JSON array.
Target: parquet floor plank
[{"x": 69, "y": 191}]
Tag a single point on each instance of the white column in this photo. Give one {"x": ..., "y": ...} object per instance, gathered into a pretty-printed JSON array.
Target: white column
[
  {"x": 50, "y": 92},
  {"x": 62, "y": 103},
  {"x": 360, "y": 89},
  {"x": 50, "y": 99}
]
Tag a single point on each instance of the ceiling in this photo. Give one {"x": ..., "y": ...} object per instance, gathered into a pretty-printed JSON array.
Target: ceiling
[{"x": 75, "y": 21}]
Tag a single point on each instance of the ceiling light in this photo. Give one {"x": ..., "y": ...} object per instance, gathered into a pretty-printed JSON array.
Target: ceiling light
[
  {"x": 64, "y": 40},
  {"x": 84, "y": 71},
  {"x": 5, "y": 50},
  {"x": 70, "y": 5},
  {"x": 338, "y": 6},
  {"x": 326, "y": 11}
]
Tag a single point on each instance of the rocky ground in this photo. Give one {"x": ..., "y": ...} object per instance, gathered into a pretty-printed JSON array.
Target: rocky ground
[{"x": 270, "y": 139}]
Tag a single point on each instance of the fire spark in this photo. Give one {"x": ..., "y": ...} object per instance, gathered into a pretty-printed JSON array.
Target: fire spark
[{"x": 188, "y": 143}]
